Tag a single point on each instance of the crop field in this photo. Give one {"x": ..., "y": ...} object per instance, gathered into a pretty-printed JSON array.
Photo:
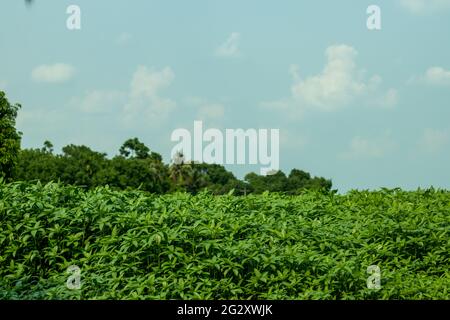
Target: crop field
[{"x": 135, "y": 245}]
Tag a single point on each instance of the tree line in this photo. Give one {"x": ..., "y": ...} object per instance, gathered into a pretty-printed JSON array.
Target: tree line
[{"x": 135, "y": 166}]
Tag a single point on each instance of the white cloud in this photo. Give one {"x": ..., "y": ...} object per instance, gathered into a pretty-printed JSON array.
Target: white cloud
[
  {"x": 388, "y": 100},
  {"x": 425, "y": 6},
  {"x": 339, "y": 84},
  {"x": 3, "y": 85},
  {"x": 230, "y": 48},
  {"x": 99, "y": 101},
  {"x": 141, "y": 102},
  {"x": 368, "y": 148},
  {"x": 123, "y": 38},
  {"x": 435, "y": 76},
  {"x": 206, "y": 110},
  {"x": 211, "y": 111},
  {"x": 433, "y": 140},
  {"x": 145, "y": 94},
  {"x": 55, "y": 73}
]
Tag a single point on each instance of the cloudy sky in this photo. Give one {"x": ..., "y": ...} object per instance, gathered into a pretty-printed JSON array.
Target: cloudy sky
[{"x": 367, "y": 109}]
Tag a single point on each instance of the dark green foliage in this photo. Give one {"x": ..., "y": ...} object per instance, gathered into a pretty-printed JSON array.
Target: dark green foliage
[
  {"x": 133, "y": 148},
  {"x": 294, "y": 184},
  {"x": 145, "y": 174},
  {"x": 216, "y": 174},
  {"x": 38, "y": 164},
  {"x": 9, "y": 137},
  {"x": 137, "y": 167},
  {"x": 81, "y": 165},
  {"x": 132, "y": 245},
  {"x": 299, "y": 180},
  {"x": 188, "y": 177},
  {"x": 195, "y": 177}
]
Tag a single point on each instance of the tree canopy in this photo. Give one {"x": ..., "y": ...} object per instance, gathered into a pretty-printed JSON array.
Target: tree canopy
[
  {"x": 9, "y": 137},
  {"x": 137, "y": 167}
]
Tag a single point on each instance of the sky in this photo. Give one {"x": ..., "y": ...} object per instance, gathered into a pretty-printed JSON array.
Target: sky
[{"x": 365, "y": 108}]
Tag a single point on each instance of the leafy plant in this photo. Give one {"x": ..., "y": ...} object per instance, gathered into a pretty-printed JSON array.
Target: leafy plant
[{"x": 135, "y": 245}]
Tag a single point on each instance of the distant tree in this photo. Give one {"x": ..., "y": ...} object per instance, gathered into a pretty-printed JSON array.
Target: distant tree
[
  {"x": 196, "y": 179},
  {"x": 297, "y": 181},
  {"x": 216, "y": 173},
  {"x": 320, "y": 184},
  {"x": 255, "y": 181},
  {"x": 220, "y": 181},
  {"x": 193, "y": 177},
  {"x": 177, "y": 171},
  {"x": 239, "y": 188},
  {"x": 48, "y": 147},
  {"x": 187, "y": 177},
  {"x": 79, "y": 165},
  {"x": 9, "y": 137},
  {"x": 138, "y": 168},
  {"x": 145, "y": 174},
  {"x": 38, "y": 164},
  {"x": 274, "y": 183},
  {"x": 133, "y": 148}
]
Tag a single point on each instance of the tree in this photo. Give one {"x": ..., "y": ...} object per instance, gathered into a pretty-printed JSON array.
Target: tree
[
  {"x": 9, "y": 137},
  {"x": 274, "y": 183},
  {"x": 79, "y": 165},
  {"x": 218, "y": 180},
  {"x": 320, "y": 184},
  {"x": 133, "y": 148},
  {"x": 297, "y": 181},
  {"x": 37, "y": 164},
  {"x": 48, "y": 147},
  {"x": 146, "y": 174},
  {"x": 255, "y": 181},
  {"x": 216, "y": 173},
  {"x": 193, "y": 177},
  {"x": 187, "y": 177}
]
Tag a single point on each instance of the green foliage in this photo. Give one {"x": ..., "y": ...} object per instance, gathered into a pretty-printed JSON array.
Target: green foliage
[
  {"x": 79, "y": 165},
  {"x": 189, "y": 177},
  {"x": 133, "y": 148},
  {"x": 137, "y": 167},
  {"x": 38, "y": 164},
  {"x": 295, "y": 183},
  {"x": 145, "y": 174},
  {"x": 9, "y": 137},
  {"x": 133, "y": 245},
  {"x": 197, "y": 177}
]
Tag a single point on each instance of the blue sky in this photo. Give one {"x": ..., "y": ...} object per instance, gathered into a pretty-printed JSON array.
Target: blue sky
[{"x": 367, "y": 109}]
